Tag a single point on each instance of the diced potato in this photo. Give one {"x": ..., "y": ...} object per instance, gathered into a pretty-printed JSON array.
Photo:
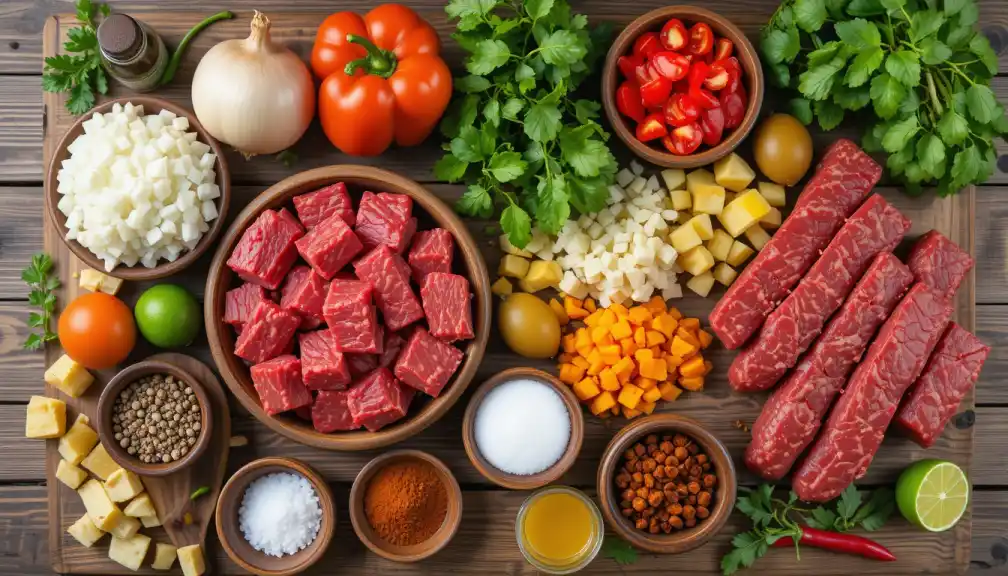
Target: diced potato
[
  {"x": 79, "y": 440},
  {"x": 774, "y": 194},
  {"x": 720, "y": 245},
  {"x": 674, "y": 179},
  {"x": 513, "y": 266},
  {"x": 510, "y": 248},
  {"x": 99, "y": 507},
  {"x": 69, "y": 376},
  {"x": 708, "y": 198},
  {"x": 150, "y": 521},
  {"x": 743, "y": 212},
  {"x": 685, "y": 238},
  {"x": 699, "y": 176},
  {"x": 70, "y": 474},
  {"x": 738, "y": 254},
  {"x": 164, "y": 556},
  {"x": 701, "y": 284},
  {"x": 703, "y": 226},
  {"x": 725, "y": 274},
  {"x": 191, "y": 560},
  {"x": 681, "y": 200},
  {"x": 140, "y": 506},
  {"x": 683, "y": 217},
  {"x": 46, "y": 418},
  {"x": 85, "y": 531},
  {"x": 100, "y": 463},
  {"x": 96, "y": 281},
  {"x": 126, "y": 528},
  {"x": 696, "y": 261},
  {"x": 757, "y": 236},
  {"x": 542, "y": 274},
  {"x": 123, "y": 485},
  {"x": 129, "y": 552},
  {"x": 733, "y": 173},
  {"x": 502, "y": 287},
  {"x": 772, "y": 220}
]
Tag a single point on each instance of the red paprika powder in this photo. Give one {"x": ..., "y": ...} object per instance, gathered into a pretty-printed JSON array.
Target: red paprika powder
[{"x": 406, "y": 502}]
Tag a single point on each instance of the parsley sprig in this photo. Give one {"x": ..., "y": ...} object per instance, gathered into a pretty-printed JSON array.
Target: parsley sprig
[
  {"x": 79, "y": 70},
  {"x": 619, "y": 550},
  {"x": 37, "y": 276}
]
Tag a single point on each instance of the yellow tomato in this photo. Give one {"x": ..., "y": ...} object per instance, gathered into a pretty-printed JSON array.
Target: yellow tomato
[
  {"x": 783, "y": 149},
  {"x": 528, "y": 326}
]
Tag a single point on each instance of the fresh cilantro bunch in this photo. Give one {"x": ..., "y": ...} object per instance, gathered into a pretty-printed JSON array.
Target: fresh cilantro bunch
[
  {"x": 79, "y": 70},
  {"x": 516, "y": 134},
  {"x": 918, "y": 65},
  {"x": 37, "y": 275}
]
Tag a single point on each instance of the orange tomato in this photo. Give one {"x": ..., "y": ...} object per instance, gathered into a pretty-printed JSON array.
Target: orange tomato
[{"x": 97, "y": 330}]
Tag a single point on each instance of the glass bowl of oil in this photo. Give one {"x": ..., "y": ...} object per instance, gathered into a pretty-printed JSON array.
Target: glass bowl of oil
[{"x": 559, "y": 530}]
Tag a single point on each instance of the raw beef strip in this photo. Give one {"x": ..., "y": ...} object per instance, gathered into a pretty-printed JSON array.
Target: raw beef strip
[
  {"x": 268, "y": 334},
  {"x": 316, "y": 206},
  {"x": 304, "y": 292},
  {"x": 383, "y": 223},
  {"x": 393, "y": 345},
  {"x": 240, "y": 302},
  {"x": 427, "y": 363},
  {"x": 789, "y": 330},
  {"x": 950, "y": 373},
  {"x": 939, "y": 263},
  {"x": 446, "y": 304},
  {"x": 322, "y": 367},
  {"x": 389, "y": 274},
  {"x": 379, "y": 399},
  {"x": 792, "y": 416},
  {"x": 858, "y": 421},
  {"x": 278, "y": 383},
  {"x": 331, "y": 412},
  {"x": 329, "y": 246},
  {"x": 432, "y": 251},
  {"x": 266, "y": 250},
  {"x": 352, "y": 319},
  {"x": 361, "y": 364},
  {"x": 836, "y": 190}
]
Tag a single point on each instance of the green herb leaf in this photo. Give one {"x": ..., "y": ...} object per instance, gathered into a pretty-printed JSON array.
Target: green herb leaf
[
  {"x": 863, "y": 66},
  {"x": 475, "y": 202},
  {"x": 780, "y": 75},
  {"x": 201, "y": 491},
  {"x": 865, "y": 8},
  {"x": 931, "y": 155},
  {"x": 952, "y": 7},
  {"x": 516, "y": 223},
  {"x": 538, "y": 8},
  {"x": 967, "y": 165},
  {"x": 491, "y": 111},
  {"x": 525, "y": 75},
  {"x": 859, "y": 33},
  {"x": 562, "y": 47},
  {"x": 542, "y": 122},
  {"x": 553, "y": 207},
  {"x": 466, "y": 147},
  {"x": 886, "y": 93},
  {"x": 506, "y": 166},
  {"x": 879, "y": 508},
  {"x": 450, "y": 168},
  {"x": 586, "y": 111},
  {"x": 981, "y": 103},
  {"x": 900, "y": 133},
  {"x": 822, "y": 518},
  {"x": 780, "y": 46},
  {"x": 488, "y": 56},
  {"x": 894, "y": 5},
  {"x": 850, "y": 500},
  {"x": 851, "y": 98},
  {"x": 810, "y": 15},
  {"x": 619, "y": 550},
  {"x": 904, "y": 66},
  {"x": 829, "y": 113},
  {"x": 33, "y": 342},
  {"x": 801, "y": 109},
  {"x": 816, "y": 83},
  {"x": 925, "y": 23},
  {"x": 934, "y": 51},
  {"x": 969, "y": 14},
  {"x": 462, "y": 8},
  {"x": 511, "y": 108},
  {"x": 585, "y": 154},
  {"x": 471, "y": 84},
  {"x": 980, "y": 46},
  {"x": 953, "y": 128}
]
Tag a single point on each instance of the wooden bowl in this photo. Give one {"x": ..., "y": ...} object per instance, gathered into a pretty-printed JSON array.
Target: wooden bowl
[
  {"x": 130, "y": 375},
  {"x": 518, "y": 481},
  {"x": 431, "y": 212},
  {"x": 234, "y": 542},
  {"x": 138, "y": 272},
  {"x": 415, "y": 552},
  {"x": 722, "y": 27},
  {"x": 724, "y": 494}
]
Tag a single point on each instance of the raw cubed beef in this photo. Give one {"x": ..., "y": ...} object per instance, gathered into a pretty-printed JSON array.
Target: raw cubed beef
[
  {"x": 333, "y": 200},
  {"x": 304, "y": 292},
  {"x": 446, "y": 303},
  {"x": 322, "y": 367},
  {"x": 389, "y": 274},
  {"x": 291, "y": 219},
  {"x": 393, "y": 344},
  {"x": 403, "y": 205},
  {"x": 329, "y": 246},
  {"x": 331, "y": 412},
  {"x": 278, "y": 383},
  {"x": 361, "y": 364},
  {"x": 938, "y": 262},
  {"x": 268, "y": 334},
  {"x": 383, "y": 223},
  {"x": 352, "y": 319},
  {"x": 241, "y": 302},
  {"x": 303, "y": 412},
  {"x": 432, "y": 251},
  {"x": 950, "y": 373},
  {"x": 266, "y": 250},
  {"x": 427, "y": 363},
  {"x": 379, "y": 399}
]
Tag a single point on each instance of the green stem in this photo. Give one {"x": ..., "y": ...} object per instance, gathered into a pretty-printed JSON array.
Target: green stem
[
  {"x": 933, "y": 93},
  {"x": 959, "y": 72},
  {"x": 176, "y": 57},
  {"x": 377, "y": 61}
]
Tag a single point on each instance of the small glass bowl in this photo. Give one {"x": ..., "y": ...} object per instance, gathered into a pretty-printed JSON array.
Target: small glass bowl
[{"x": 579, "y": 561}]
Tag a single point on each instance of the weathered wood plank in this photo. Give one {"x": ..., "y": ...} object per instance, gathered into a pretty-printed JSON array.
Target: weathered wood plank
[
  {"x": 22, "y": 370},
  {"x": 20, "y": 128},
  {"x": 21, "y": 216},
  {"x": 991, "y": 246},
  {"x": 992, "y": 327}
]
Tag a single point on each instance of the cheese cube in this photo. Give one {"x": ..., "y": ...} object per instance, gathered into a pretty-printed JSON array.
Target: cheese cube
[
  {"x": 725, "y": 274},
  {"x": 100, "y": 463},
  {"x": 85, "y": 531},
  {"x": 506, "y": 246},
  {"x": 774, "y": 194},
  {"x": 46, "y": 418},
  {"x": 674, "y": 178},
  {"x": 79, "y": 440},
  {"x": 129, "y": 552},
  {"x": 70, "y": 475},
  {"x": 720, "y": 244},
  {"x": 772, "y": 220},
  {"x": 150, "y": 521},
  {"x": 513, "y": 266},
  {"x": 708, "y": 198},
  {"x": 502, "y": 287},
  {"x": 164, "y": 556},
  {"x": 99, "y": 507},
  {"x": 733, "y": 173},
  {"x": 703, "y": 226},
  {"x": 122, "y": 485},
  {"x": 696, "y": 261},
  {"x": 126, "y": 528},
  {"x": 191, "y": 560},
  {"x": 701, "y": 284},
  {"x": 757, "y": 236},
  {"x": 69, "y": 376},
  {"x": 681, "y": 200},
  {"x": 738, "y": 254},
  {"x": 685, "y": 238},
  {"x": 90, "y": 279},
  {"x": 699, "y": 176},
  {"x": 743, "y": 212},
  {"x": 542, "y": 274},
  {"x": 140, "y": 506}
]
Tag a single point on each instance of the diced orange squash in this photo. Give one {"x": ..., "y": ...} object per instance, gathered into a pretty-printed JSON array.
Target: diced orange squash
[
  {"x": 574, "y": 308},
  {"x": 639, "y": 337},
  {"x": 558, "y": 309},
  {"x": 665, "y": 324},
  {"x": 630, "y": 396},
  {"x": 628, "y": 346},
  {"x": 596, "y": 368},
  {"x": 642, "y": 354},
  {"x": 594, "y": 356},
  {"x": 690, "y": 323},
  {"x": 592, "y": 319},
  {"x": 621, "y": 329},
  {"x": 608, "y": 318},
  {"x": 692, "y": 367},
  {"x": 705, "y": 338},
  {"x": 694, "y": 384},
  {"x": 687, "y": 335},
  {"x": 620, "y": 310},
  {"x": 654, "y": 338},
  {"x": 604, "y": 401},
  {"x": 708, "y": 366},
  {"x": 630, "y": 413},
  {"x": 654, "y": 368},
  {"x": 656, "y": 305},
  {"x": 609, "y": 380},
  {"x": 580, "y": 362},
  {"x": 651, "y": 395},
  {"x": 589, "y": 305},
  {"x": 675, "y": 313},
  {"x": 571, "y": 373},
  {"x": 645, "y": 383},
  {"x": 564, "y": 357},
  {"x": 604, "y": 415},
  {"x": 656, "y": 351},
  {"x": 600, "y": 335},
  {"x": 669, "y": 392},
  {"x": 615, "y": 410},
  {"x": 568, "y": 342},
  {"x": 646, "y": 407},
  {"x": 638, "y": 315},
  {"x": 586, "y": 389},
  {"x": 610, "y": 354},
  {"x": 582, "y": 342},
  {"x": 624, "y": 366},
  {"x": 680, "y": 347}
]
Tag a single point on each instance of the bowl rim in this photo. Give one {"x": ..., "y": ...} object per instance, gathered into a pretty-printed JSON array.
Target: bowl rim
[
  {"x": 124, "y": 378},
  {"x": 684, "y": 540},
  {"x": 138, "y": 272},
  {"x": 232, "y": 368},
  {"x": 517, "y": 481},
  {"x": 744, "y": 50},
  {"x": 449, "y": 527},
  {"x": 256, "y": 469},
  {"x": 598, "y": 537}
]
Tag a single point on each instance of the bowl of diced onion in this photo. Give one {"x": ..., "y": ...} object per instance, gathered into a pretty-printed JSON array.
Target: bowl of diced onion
[{"x": 138, "y": 188}]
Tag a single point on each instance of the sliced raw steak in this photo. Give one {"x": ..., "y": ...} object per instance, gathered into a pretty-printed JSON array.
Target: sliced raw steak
[
  {"x": 304, "y": 292},
  {"x": 241, "y": 302},
  {"x": 432, "y": 251},
  {"x": 379, "y": 399},
  {"x": 331, "y": 412},
  {"x": 446, "y": 303},
  {"x": 352, "y": 319},
  {"x": 268, "y": 334},
  {"x": 939, "y": 263},
  {"x": 322, "y": 367},
  {"x": 266, "y": 251},
  {"x": 333, "y": 200},
  {"x": 427, "y": 363},
  {"x": 278, "y": 383},
  {"x": 329, "y": 247},
  {"x": 383, "y": 223},
  {"x": 389, "y": 274}
]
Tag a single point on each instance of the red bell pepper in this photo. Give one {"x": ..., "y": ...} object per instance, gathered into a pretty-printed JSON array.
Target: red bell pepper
[
  {"x": 652, "y": 128},
  {"x": 656, "y": 92},
  {"x": 628, "y": 101}
]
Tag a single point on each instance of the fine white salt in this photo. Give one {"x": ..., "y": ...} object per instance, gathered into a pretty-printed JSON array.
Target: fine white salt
[
  {"x": 280, "y": 514},
  {"x": 522, "y": 427}
]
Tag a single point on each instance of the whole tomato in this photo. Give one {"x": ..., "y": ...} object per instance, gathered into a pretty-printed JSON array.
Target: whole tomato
[{"x": 97, "y": 330}]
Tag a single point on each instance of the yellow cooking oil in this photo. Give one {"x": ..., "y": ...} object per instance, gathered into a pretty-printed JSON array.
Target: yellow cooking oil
[{"x": 560, "y": 528}]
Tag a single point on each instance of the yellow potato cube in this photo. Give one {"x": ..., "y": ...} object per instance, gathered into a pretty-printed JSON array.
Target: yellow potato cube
[
  {"x": 99, "y": 507},
  {"x": 85, "y": 531},
  {"x": 757, "y": 236},
  {"x": 129, "y": 552},
  {"x": 674, "y": 178},
  {"x": 191, "y": 560},
  {"x": 502, "y": 287},
  {"x": 164, "y": 556},
  {"x": 719, "y": 245},
  {"x": 542, "y": 274},
  {"x": 508, "y": 248},
  {"x": 79, "y": 440},
  {"x": 699, "y": 176},
  {"x": 126, "y": 528},
  {"x": 774, "y": 194},
  {"x": 725, "y": 274},
  {"x": 70, "y": 474},
  {"x": 122, "y": 485},
  {"x": 100, "y": 463},
  {"x": 69, "y": 376},
  {"x": 738, "y": 254},
  {"x": 701, "y": 284},
  {"x": 703, "y": 226},
  {"x": 733, "y": 173},
  {"x": 96, "y": 281},
  {"x": 708, "y": 198},
  {"x": 772, "y": 220},
  {"x": 150, "y": 521},
  {"x": 696, "y": 261},
  {"x": 513, "y": 266},
  {"x": 681, "y": 200},
  {"x": 46, "y": 418},
  {"x": 685, "y": 238},
  {"x": 743, "y": 212},
  {"x": 140, "y": 506}
]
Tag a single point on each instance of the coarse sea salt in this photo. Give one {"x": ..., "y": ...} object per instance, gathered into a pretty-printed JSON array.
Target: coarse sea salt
[
  {"x": 522, "y": 427},
  {"x": 280, "y": 514}
]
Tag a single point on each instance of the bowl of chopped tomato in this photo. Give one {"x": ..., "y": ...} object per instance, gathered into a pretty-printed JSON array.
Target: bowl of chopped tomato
[{"x": 682, "y": 86}]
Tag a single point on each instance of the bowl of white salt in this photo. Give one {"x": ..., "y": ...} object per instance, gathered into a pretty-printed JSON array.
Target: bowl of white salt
[
  {"x": 275, "y": 517},
  {"x": 523, "y": 429}
]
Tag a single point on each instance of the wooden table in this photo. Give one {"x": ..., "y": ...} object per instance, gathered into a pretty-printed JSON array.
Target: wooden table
[{"x": 486, "y": 542}]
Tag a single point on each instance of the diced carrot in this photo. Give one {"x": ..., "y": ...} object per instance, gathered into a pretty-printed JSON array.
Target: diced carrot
[
  {"x": 621, "y": 329},
  {"x": 608, "y": 318},
  {"x": 675, "y": 313},
  {"x": 582, "y": 341},
  {"x": 687, "y": 336},
  {"x": 690, "y": 323},
  {"x": 630, "y": 396},
  {"x": 564, "y": 357},
  {"x": 705, "y": 338},
  {"x": 694, "y": 384},
  {"x": 558, "y": 309},
  {"x": 692, "y": 367},
  {"x": 620, "y": 310},
  {"x": 568, "y": 342},
  {"x": 571, "y": 373},
  {"x": 589, "y": 305},
  {"x": 654, "y": 368},
  {"x": 580, "y": 362},
  {"x": 681, "y": 347},
  {"x": 594, "y": 356},
  {"x": 639, "y": 337},
  {"x": 630, "y": 413},
  {"x": 656, "y": 305},
  {"x": 628, "y": 346},
  {"x": 643, "y": 353},
  {"x": 645, "y": 383},
  {"x": 610, "y": 353},
  {"x": 586, "y": 389},
  {"x": 669, "y": 392},
  {"x": 609, "y": 381},
  {"x": 708, "y": 366},
  {"x": 600, "y": 335},
  {"x": 595, "y": 368},
  {"x": 573, "y": 308},
  {"x": 665, "y": 324},
  {"x": 651, "y": 395},
  {"x": 639, "y": 315},
  {"x": 654, "y": 338},
  {"x": 624, "y": 366},
  {"x": 592, "y": 319},
  {"x": 604, "y": 401}
]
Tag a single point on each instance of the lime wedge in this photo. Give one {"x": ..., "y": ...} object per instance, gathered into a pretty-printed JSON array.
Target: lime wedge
[{"x": 933, "y": 494}]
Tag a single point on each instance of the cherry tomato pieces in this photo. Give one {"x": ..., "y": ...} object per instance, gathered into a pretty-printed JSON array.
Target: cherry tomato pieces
[
  {"x": 656, "y": 92},
  {"x": 723, "y": 49},
  {"x": 705, "y": 99},
  {"x": 652, "y": 128},
  {"x": 646, "y": 44},
  {"x": 734, "y": 69},
  {"x": 701, "y": 39},
  {"x": 712, "y": 125},
  {"x": 645, "y": 73},
  {"x": 670, "y": 65},
  {"x": 97, "y": 330},
  {"x": 681, "y": 110},
  {"x": 628, "y": 101},
  {"x": 628, "y": 65},
  {"x": 717, "y": 77},
  {"x": 684, "y": 139},
  {"x": 697, "y": 75},
  {"x": 734, "y": 105},
  {"x": 674, "y": 35}
]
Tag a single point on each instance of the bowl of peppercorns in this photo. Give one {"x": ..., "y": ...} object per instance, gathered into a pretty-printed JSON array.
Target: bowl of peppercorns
[
  {"x": 666, "y": 484},
  {"x": 154, "y": 418}
]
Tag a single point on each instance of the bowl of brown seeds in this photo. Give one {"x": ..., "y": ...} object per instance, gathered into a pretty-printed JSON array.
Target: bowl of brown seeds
[{"x": 154, "y": 418}]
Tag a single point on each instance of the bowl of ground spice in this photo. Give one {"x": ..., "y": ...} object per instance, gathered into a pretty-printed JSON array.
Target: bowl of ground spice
[
  {"x": 405, "y": 505},
  {"x": 154, "y": 418}
]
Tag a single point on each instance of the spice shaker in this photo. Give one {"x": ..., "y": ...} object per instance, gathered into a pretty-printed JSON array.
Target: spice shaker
[{"x": 132, "y": 53}]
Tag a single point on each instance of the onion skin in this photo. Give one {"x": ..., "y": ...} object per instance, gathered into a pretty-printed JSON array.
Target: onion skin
[{"x": 254, "y": 94}]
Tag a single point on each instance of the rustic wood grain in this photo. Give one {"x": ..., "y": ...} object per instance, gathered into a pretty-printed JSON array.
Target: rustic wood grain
[
  {"x": 20, "y": 236},
  {"x": 20, "y": 128},
  {"x": 991, "y": 245},
  {"x": 992, "y": 327},
  {"x": 21, "y": 370}
]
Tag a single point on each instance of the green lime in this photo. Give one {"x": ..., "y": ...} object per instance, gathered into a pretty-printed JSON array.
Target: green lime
[
  {"x": 168, "y": 316},
  {"x": 932, "y": 494}
]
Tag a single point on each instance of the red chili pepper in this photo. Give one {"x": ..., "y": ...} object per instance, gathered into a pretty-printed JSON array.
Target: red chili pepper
[
  {"x": 670, "y": 65},
  {"x": 837, "y": 542},
  {"x": 628, "y": 101},
  {"x": 652, "y": 128},
  {"x": 712, "y": 125},
  {"x": 723, "y": 49},
  {"x": 628, "y": 65},
  {"x": 646, "y": 44},
  {"x": 656, "y": 92},
  {"x": 674, "y": 35}
]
